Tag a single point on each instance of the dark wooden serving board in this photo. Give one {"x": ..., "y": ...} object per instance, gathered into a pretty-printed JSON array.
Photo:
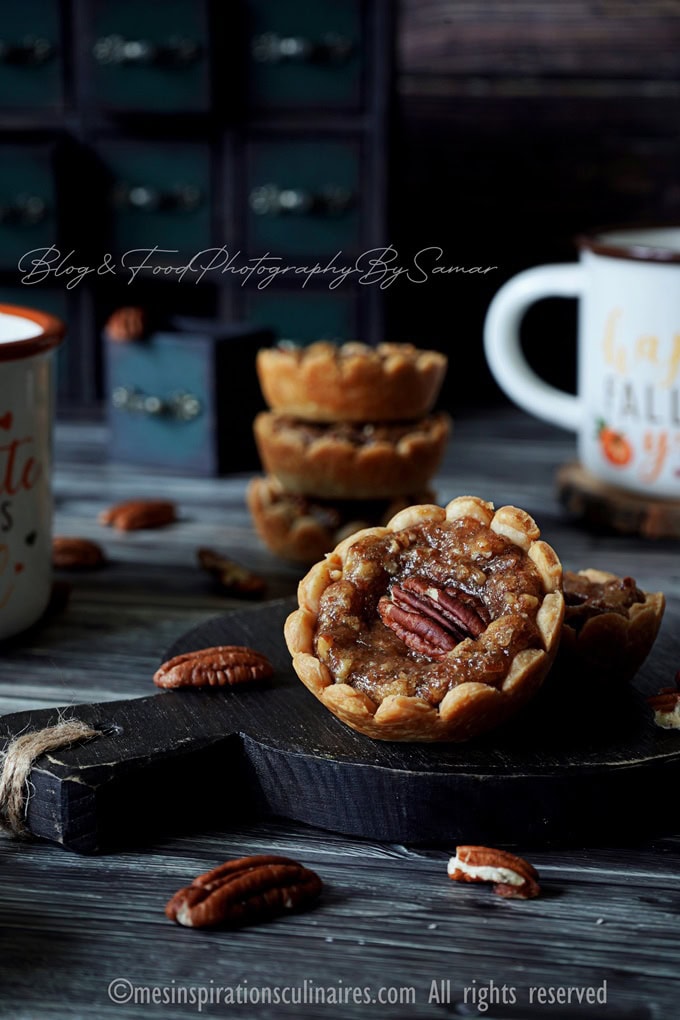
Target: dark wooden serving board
[{"x": 185, "y": 759}]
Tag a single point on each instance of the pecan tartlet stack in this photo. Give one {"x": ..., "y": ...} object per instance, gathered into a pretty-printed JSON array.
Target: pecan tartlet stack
[
  {"x": 349, "y": 440},
  {"x": 439, "y": 626}
]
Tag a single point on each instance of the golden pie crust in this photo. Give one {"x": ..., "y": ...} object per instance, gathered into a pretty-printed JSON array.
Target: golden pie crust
[
  {"x": 607, "y": 642},
  {"x": 304, "y": 529},
  {"x": 470, "y": 689},
  {"x": 351, "y": 460},
  {"x": 352, "y": 381}
]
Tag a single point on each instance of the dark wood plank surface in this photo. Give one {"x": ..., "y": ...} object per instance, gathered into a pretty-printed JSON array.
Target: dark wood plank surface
[
  {"x": 583, "y": 38},
  {"x": 389, "y": 918}
]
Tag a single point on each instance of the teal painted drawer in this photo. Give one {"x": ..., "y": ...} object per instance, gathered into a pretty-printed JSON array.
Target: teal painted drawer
[
  {"x": 27, "y": 201},
  {"x": 30, "y": 57},
  {"x": 305, "y": 317},
  {"x": 159, "y": 194},
  {"x": 304, "y": 197},
  {"x": 306, "y": 55},
  {"x": 186, "y": 400},
  {"x": 150, "y": 56}
]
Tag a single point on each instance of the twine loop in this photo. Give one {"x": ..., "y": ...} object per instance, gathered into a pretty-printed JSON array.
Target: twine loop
[{"x": 17, "y": 761}]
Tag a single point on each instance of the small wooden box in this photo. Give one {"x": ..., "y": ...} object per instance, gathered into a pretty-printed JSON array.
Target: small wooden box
[{"x": 185, "y": 398}]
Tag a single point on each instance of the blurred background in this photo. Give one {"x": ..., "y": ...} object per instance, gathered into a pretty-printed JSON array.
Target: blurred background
[{"x": 496, "y": 130}]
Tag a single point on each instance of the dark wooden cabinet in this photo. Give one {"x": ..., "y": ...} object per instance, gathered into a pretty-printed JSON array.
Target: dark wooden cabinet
[
  {"x": 522, "y": 125},
  {"x": 240, "y": 130}
]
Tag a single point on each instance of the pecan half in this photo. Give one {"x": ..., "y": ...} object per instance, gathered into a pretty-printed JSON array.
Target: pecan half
[
  {"x": 666, "y": 706},
  {"x": 430, "y": 619},
  {"x": 76, "y": 553},
  {"x": 126, "y": 325},
  {"x": 513, "y": 877},
  {"x": 245, "y": 891},
  {"x": 231, "y": 576},
  {"x": 136, "y": 514},
  {"x": 222, "y": 666}
]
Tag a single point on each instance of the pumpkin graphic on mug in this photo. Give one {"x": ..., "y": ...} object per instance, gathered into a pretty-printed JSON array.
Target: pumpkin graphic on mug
[{"x": 614, "y": 445}]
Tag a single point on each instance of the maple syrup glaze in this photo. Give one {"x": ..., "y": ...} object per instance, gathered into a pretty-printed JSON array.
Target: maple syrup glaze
[
  {"x": 463, "y": 556},
  {"x": 585, "y": 598},
  {"x": 358, "y": 433}
]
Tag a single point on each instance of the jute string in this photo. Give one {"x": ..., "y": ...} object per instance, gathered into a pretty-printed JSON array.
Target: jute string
[{"x": 17, "y": 761}]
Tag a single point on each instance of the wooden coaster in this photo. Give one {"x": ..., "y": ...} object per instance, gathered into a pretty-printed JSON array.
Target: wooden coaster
[{"x": 606, "y": 506}]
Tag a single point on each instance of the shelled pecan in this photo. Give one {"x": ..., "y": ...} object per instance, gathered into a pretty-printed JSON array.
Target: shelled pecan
[
  {"x": 137, "y": 514},
  {"x": 76, "y": 553},
  {"x": 232, "y": 577},
  {"x": 126, "y": 325},
  {"x": 245, "y": 891},
  {"x": 431, "y": 619},
  {"x": 222, "y": 666},
  {"x": 513, "y": 877},
  {"x": 666, "y": 706}
]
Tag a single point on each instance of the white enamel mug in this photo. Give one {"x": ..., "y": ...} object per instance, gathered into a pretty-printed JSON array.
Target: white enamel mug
[
  {"x": 627, "y": 409},
  {"x": 27, "y": 342}
]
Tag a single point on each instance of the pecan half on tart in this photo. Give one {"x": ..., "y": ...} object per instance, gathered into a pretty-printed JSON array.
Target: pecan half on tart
[
  {"x": 347, "y": 460},
  {"x": 439, "y": 626},
  {"x": 351, "y": 381},
  {"x": 610, "y": 626}
]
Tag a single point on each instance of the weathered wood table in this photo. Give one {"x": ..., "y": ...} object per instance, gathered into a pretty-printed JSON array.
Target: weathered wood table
[{"x": 87, "y": 937}]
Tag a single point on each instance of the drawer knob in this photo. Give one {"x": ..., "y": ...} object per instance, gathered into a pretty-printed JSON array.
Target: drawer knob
[
  {"x": 32, "y": 50},
  {"x": 270, "y": 48},
  {"x": 271, "y": 200},
  {"x": 180, "y": 406},
  {"x": 118, "y": 51},
  {"x": 23, "y": 209},
  {"x": 144, "y": 198}
]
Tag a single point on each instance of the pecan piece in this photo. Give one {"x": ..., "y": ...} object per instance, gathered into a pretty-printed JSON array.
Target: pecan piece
[
  {"x": 513, "y": 877},
  {"x": 126, "y": 325},
  {"x": 76, "y": 553},
  {"x": 222, "y": 666},
  {"x": 245, "y": 891},
  {"x": 431, "y": 619},
  {"x": 136, "y": 514},
  {"x": 231, "y": 576},
  {"x": 666, "y": 706}
]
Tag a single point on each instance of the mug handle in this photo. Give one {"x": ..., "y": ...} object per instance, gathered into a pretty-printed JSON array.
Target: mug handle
[{"x": 502, "y": 347}]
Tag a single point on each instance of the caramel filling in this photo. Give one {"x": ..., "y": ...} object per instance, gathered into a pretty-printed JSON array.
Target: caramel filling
[
  {"x": 357, "y": 434},
  {"x": 473, "y": 596},
  {"x": 584, "y": 598}
]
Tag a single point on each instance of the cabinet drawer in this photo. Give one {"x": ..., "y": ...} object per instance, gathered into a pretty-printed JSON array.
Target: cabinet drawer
[
  {"x": 303, "y": 197},
  {"x": 159, "y": 194},
  {"x": 30, "y": 55},
  {"x": 150, "y": 56},
  {"x": 306, "y": 55},
  {"x": 305, "y": 317},
  {"x": 186, "y": 400},
  {"x": 27, "y": 201}
]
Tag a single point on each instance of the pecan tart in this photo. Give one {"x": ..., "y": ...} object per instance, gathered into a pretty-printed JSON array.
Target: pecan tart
[
  {"x": 348, "y": 460},
  {"x": 351, "y": 382},
  {"x": 438, "y": 626},
  {"x": 305, "y": 528},
  {"x": 610, "y": 625}
]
